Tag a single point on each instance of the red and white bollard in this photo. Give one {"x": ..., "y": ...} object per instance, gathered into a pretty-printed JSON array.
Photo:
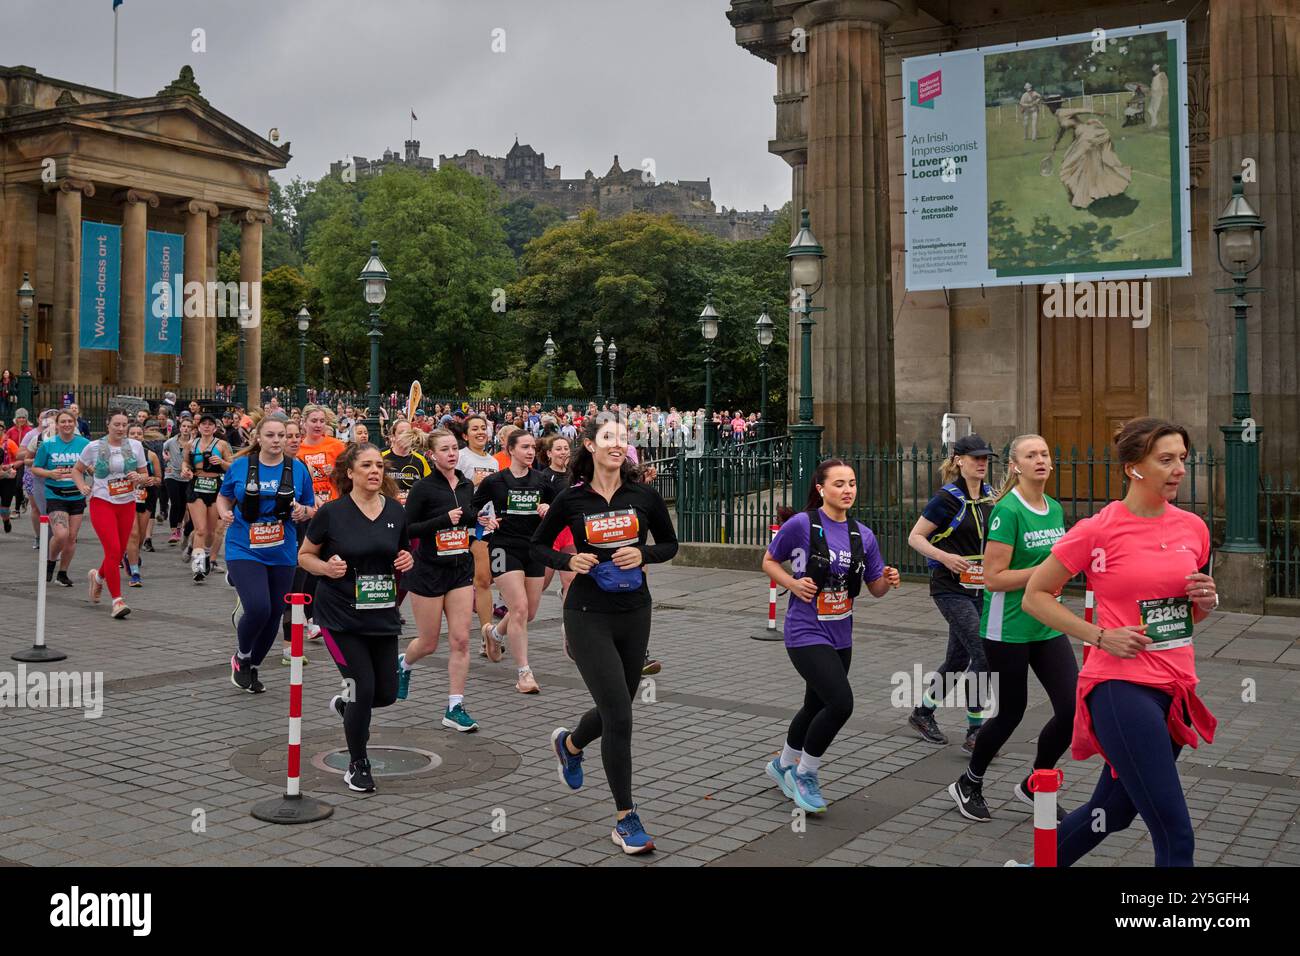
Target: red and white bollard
[
  {"x": 771, "y": 632},
  {"x": 38, "y": 653},
  {"x": 1044, "y": 784},
  {"x": 1089, "y": 608},
  {"x": 293, "y": 807}
]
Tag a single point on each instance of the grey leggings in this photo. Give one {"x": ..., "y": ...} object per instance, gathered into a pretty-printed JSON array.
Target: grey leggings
[{"x": 965, "y": 648}]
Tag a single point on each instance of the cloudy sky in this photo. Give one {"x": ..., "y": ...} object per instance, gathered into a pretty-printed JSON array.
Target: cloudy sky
[{"x": 580, "y": 80}]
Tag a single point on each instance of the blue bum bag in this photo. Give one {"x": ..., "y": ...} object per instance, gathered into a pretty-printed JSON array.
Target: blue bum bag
[{"x": 610, "y": 577}]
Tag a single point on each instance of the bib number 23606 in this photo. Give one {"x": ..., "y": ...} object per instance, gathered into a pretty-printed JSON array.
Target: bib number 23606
[
  {"x": 376, "y": 591},
  {"x": 1168, "y": 622}
]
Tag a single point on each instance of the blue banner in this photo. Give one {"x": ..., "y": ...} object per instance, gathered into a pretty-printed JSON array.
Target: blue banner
[
  {"x": 163, "y": 282},
  {"x": 101, "y": 284}
]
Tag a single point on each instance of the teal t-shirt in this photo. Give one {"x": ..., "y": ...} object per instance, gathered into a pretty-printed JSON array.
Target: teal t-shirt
[
  {"x": 55, "y": 453},
  {"x": 1030, "y": 534}
]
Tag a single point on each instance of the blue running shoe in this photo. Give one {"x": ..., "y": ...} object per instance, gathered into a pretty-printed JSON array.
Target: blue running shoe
[
  {"x": 403, "y": 678},
  {"x": 570, "y": 766},
  {"x": 777, "y": 773},
  {"x": 807, "y": 793},
  {"x": 631, "y": 835}
]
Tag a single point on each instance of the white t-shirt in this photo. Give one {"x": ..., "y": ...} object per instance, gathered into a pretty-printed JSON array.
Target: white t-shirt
[
  {"x": 116, "y": 488},
  {"x": 469, "y": 462}
]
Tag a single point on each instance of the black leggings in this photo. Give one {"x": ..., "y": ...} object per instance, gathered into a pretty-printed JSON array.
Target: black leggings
[
  {"x": 827, "y": 699},
  {"x": 1053, "y": 664},
  {"x": 9, "y": 490},
  {"x": 175, "y": 489},
  {"x": 371, "y": 664},
  {"x": 609, "y": 650}
]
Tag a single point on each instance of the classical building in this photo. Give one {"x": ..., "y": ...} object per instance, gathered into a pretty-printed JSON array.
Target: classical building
[
  {"x": 523, "y": 174},
  {"x": 888, "y": 363},
  {"x": 164, "y": 164}
]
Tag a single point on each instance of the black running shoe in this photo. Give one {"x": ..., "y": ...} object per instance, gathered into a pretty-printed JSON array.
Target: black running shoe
[
  {"x": 49, "y": 571},
  {"x": 968, "y": 744},
  {"x": 255, "y": 685},
  {"x": 8, "y": 526},
  {"x": 358, "y": 777},
  {"x": 148, "y": 545},
  {"x": 241, "y": 677},
  {"x": 1024, "y": 795},
  {"x": 969, "y": 798},
  {"x": 62, "y": 578},
  {"x": 924, "y": 724},
  {"x": 650, "y": 666}
]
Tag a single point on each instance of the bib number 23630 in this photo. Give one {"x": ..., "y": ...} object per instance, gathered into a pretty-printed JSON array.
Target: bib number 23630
[
  {"x": 1168, "y": 622},
  {"x": 376, "y": 591}
]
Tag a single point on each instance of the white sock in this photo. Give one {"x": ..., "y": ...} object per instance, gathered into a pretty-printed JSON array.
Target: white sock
[
  {"x": 789, "y": 756},
  {"x": 454, "y": 700},
  {"x": 402, "y": 660},
  {"x": 524, "y": 670},
  {"x": 809, "y": 764}
]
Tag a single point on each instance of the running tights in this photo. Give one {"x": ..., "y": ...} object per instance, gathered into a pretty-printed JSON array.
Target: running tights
[
  {"x": 610, "y": 650},
  {"x": 261, "y": 589},
  {"x": 370, "y": 663},
  {"x": 175, "y": 489},
  {"x": 113, "y": 524},
  {"x": 1053, "y": 664},
  {"x": 965, "y": 650},
  {"x": 827, "y": 697},
  {"x": 9, "y": 490},
  {"x": 1132, "y": 724}
]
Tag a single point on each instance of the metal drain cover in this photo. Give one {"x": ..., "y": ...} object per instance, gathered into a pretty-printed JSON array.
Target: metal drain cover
[{"x": 384, "y": 761}]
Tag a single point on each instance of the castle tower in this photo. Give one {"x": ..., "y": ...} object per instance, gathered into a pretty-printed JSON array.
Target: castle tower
[{"x": 412, "y": 151}]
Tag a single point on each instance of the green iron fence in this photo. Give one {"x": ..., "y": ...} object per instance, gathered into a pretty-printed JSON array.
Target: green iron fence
[
  {"x": 94, "y": 401},
  {"x": 1280, "y": 507}
]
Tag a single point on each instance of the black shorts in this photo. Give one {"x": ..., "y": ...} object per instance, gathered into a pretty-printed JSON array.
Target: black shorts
[
  {"x": 507, "y": 556},
  {"x": 150, "y": 503},
  {"x": 433, "y": 579},
  {"x": 69, "y": 506},
  {"x": 208, "y": 499}
]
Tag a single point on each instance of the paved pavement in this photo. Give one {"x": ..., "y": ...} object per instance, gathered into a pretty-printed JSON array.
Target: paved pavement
[{"x": 167, "y": 774}]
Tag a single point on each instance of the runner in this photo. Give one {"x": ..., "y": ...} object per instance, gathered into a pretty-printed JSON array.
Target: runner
[
  {"x": 318, "y": 451},
  {"x": 10, "y": 487},
  {"x": 441, "y": 515},
  {"x": 950, "y": 535},
  {"x": 476, "y": 464},
  {"x": 292, "y": 443},
  {"x": 1022, "y": 529},
  {"x": 608, "y": 609},
  {"x": 263, "y": 494},
  {"x": 1136, "y": 703},
  {"x": 354, "y": 544},
  {"x": 830, "y": 558},
  {"x": 558, "y": 451},
  {"x": 146, "y": 499},
  {"x": 65, "y": 503},
  {"x": 116, "y": 465},
  {"x": 406, "y": 465},
  {"x": 206, "y": 459},
  {"x": 520, "y": 498},
  {"x": 174, "y": 484},
  {"x": 34, "y": 486}
]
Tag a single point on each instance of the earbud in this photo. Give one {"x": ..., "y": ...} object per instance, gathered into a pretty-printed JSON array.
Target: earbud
[{"x": 1136, "y": 475}]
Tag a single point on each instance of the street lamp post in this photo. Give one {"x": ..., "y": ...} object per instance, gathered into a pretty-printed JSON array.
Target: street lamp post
[
  {"x": 709, "y": 330},
  {"x": 304, "y": 323},
  {"x": 599, "y": 345},
  {"x": 26, "y": 296},
  {"x": 549, "y": 349},
  {"x": 375, "y": 277},
  {"x": 613, "y": 359},
  {"x": 1240, "y": 240},
  {"x": 763, "y": 329},
  {"x": 805, "y": 255},
  {"x": 241, "y": 375},
  {"x": 325, "y": 361}
]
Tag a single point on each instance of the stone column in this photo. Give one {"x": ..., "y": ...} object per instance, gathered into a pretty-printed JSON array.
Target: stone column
[
  {"x": 847, "y": 188},
  {"x": 17, "y": 256},
  {"x": 250, "y": 273},
  {"x": 210, "y": 336},
  {"x": 1255, "y": 114},
  {"x": 65, "y": 335},
  {"x": 135, "y": 227},
  {"x": 194, "y": 330}
]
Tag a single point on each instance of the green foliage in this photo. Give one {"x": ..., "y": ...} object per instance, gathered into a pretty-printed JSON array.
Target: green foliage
[{"x": 525, "y": 221}]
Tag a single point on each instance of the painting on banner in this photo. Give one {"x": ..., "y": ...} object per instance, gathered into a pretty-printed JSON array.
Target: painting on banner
[
  {"x": 101, "y": 285},
  {"x": 164, "y": 262},
  {"x": 1048, "y": 161}
]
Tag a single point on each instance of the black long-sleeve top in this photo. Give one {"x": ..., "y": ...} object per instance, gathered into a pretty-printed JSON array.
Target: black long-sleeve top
[
  {"x": 515, "y": 501},
  {"x": 429, "y": 507},
  {"x": 601, "y": 527}
]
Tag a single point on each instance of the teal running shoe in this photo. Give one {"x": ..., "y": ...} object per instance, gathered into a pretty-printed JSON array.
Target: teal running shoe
[
  {"x": 777, "y": 773},
  {"x": 807, "y": 791},
  {"x": 403, "y": 679},
  {"x": 458, "y": 719}
]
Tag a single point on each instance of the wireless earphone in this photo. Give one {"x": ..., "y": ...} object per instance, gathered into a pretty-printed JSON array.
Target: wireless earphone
[{"x": 1135, "y": 474}]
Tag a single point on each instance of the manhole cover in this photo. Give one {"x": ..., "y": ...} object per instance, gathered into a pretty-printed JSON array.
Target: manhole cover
[{"x": 384, "y": 761}]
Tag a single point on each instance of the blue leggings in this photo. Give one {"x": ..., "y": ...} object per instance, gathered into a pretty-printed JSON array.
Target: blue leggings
[
  {"x": 1131, "y": 722},
  {"x": 261, "y": 588}
]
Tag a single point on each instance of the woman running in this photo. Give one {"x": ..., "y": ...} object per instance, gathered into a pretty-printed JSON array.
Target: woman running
[
  {"x": 950, "y": 535},
  {"x": 476, "y": 464},
  {"x": 831, "y": 558},
  {"x": 264, "y": 493},
  {"x": 174, "y": 484},
  {"x": 33, "y": 485},
  {"x": 1136, "y": 702},
  {"x": 116, "y": 466},
  {"x": 292, "y": 442},
  {"x": 441, "y": 515},
  {"x": 65, "y": 504},
  {"x": 318, "y": 451},
  {"x": 354, "y": 545},
  {"x": 558, "y": 452},
  {"x": 1022, "y": 529},
  {"x": 406, "y": 465},
  {"x": 146, "y": 499},
  {"x": 520, "y": 498},
  {"x": 607, "y": 611},
  {"x": 10, "y": 487},
  {"x": 206, "y": 459}
]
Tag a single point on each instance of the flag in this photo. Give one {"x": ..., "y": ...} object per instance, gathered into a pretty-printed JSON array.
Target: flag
[
  {"x": 413, "y": 116},
  {"x": 116, "y": 4}
]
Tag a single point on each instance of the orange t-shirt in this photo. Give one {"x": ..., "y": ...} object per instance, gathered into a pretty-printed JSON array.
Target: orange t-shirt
[
  {"x": 8, "y": 453},
  {"x": 319, "y": 459},
  {"x": 503, "y": 459}
]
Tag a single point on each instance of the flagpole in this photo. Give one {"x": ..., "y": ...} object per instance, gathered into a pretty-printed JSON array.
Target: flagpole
[{"x": 114, "y": 49}]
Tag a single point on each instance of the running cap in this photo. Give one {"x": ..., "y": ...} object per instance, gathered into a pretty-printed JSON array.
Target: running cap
[
  {"x": 208, "y": 416},
  {"x": 974, "y": 446}
]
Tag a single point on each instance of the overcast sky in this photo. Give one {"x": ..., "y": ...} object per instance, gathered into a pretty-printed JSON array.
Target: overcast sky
[{"x": 580, "y": 80}]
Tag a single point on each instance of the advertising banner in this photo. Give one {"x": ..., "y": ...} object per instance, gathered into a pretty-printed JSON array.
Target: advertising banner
[
  {"x": 101, "y": 285},
  {"x": 164, "y": 260}
]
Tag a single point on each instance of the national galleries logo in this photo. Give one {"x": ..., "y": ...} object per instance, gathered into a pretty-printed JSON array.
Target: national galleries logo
[{"x": 927, "y": 89}]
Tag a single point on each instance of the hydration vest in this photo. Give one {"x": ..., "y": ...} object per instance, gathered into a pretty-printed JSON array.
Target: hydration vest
[
  {"x": 819, "y": 556},
  {"x": 959, "y": 493},
  {"x": 251, "y": 506}
]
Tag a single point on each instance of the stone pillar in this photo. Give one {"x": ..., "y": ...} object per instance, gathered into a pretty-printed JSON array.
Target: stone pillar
[
  {"x": 250, "y": 273},
  {"x": 847, "y": 189},
  {"x": 65, "y": 335},
  {"x": 194, "y": 337},
  {"x": 211, "y": 322},
  {"x": 1255, "y": 114},
  {"x": 17, "y": 256},
  {"x": 135, "y": 227}
]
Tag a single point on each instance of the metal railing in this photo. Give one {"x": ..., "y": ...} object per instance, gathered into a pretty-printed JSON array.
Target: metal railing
[
  {"x": 1280, "y": 510},
  {"x": 94, "y": 401}
]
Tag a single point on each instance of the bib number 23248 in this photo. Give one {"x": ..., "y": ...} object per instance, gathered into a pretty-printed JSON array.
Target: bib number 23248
[
  {"x": 1168, "y": 622},
  {"x": 376, "y": 591}
]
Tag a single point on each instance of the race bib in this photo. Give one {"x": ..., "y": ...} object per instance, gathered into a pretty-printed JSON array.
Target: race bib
[
  {"x": 207, "y": 484},
  {"x": 973, "y": 577},
  {"x": 834, "y": 605},
  {"x": 1168, "y": 622},
  {"x": 484, "y": 472},
  {"x": 266, "y": 534},
  {"x": 375, "y": 591},
  {"x": 520, "y": 502},
  {"x": 613, "y": 529},
  {"x": 142, "y": 496},
  {"x": 323, "y": 495},
  {"x": 452, "y": 542},
  {"x": 402, "y": 494},
  {"x": 120, "y": 487}
]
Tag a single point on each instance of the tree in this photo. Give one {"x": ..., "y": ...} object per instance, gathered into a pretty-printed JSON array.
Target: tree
[{"x": 525, "y": 221}]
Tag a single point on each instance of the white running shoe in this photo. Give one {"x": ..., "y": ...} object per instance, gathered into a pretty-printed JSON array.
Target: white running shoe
[
  {"x": 311, "y": 631},
  {"x": 96, "y": 585}
]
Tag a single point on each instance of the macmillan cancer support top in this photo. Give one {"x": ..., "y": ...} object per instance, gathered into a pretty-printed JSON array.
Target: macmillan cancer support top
[
  {"x": 1031, "y": 534},
  {"x": 364, "y": 600}
]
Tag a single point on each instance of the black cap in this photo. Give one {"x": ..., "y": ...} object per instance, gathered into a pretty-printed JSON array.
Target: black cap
[
  {"x": 972, "y": 445},
  {"x": 209, "y": 417}
]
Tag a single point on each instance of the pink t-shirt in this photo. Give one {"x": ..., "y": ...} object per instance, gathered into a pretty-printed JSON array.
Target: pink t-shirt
[{"x": 738, "y": 425}]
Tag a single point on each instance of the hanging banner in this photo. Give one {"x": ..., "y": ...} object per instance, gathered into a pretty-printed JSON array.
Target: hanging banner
[
  {"x": 1051, "y": 160},
  {"x": 101, "y": 285},
  {"x": 164, "y": 263}
]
